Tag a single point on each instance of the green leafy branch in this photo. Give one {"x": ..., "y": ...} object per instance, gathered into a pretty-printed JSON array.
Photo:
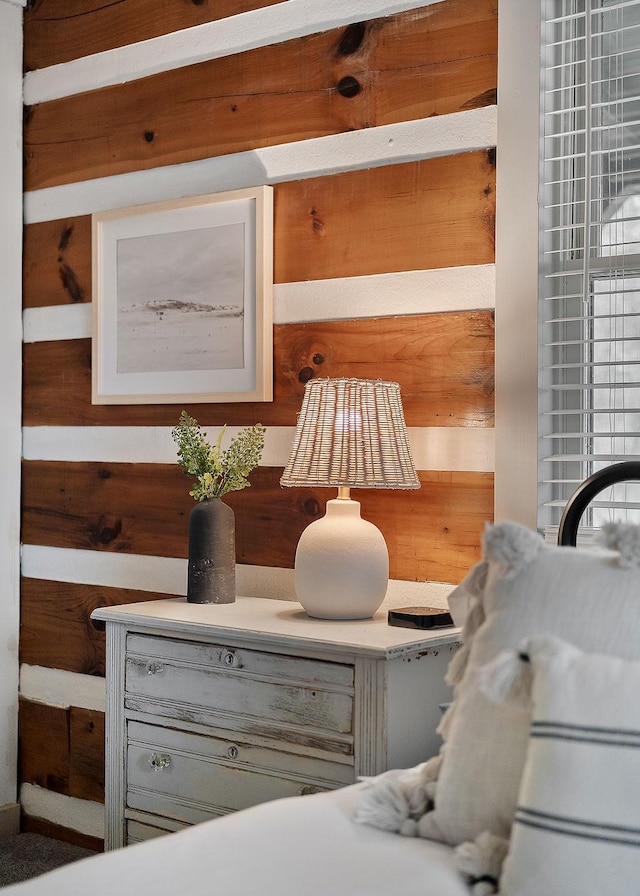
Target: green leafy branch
[{"x": 217, "y": 471}]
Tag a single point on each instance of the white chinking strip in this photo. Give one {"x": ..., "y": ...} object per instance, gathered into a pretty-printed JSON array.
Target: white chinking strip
[
  {"x": 52, "y": 322},
  {"x": 168, "y": 575},
  {"x": 145, "y": 444},
  {"x": 84, "y": 816},
  {"x": 57, "y": 687},
  {"x": 368, "y": 148},
  {"x": 461, "y": 288},
  {"x": 212, "y": 40},
  {"x": 165, "y": 575},
  {"x": 456, "y": 448}
]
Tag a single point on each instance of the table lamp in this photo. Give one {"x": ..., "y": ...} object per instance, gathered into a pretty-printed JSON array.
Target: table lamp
[{"x": 350, "y": 433}]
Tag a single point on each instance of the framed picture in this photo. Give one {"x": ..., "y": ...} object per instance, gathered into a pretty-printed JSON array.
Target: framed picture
[{"x": 182, "y": 300}]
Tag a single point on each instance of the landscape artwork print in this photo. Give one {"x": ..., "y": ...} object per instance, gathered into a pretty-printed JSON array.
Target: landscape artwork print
[{"x": 182, "y": 301}]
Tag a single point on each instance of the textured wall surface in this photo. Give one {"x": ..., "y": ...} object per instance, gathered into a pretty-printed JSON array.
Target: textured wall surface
[{"x": 377, "y": 133}]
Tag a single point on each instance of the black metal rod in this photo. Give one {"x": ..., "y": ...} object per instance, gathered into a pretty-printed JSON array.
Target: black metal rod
[{"x": 597, "y": 482}]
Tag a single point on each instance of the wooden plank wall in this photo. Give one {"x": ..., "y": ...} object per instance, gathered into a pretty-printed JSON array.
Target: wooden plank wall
[{"x": 103, "y": 515}]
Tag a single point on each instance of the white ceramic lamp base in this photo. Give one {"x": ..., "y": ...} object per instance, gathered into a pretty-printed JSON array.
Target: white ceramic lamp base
[{"x": 342, "y": 564}]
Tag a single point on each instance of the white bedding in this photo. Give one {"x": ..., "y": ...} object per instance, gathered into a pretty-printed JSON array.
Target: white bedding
[{"x": 302, "y": 846}]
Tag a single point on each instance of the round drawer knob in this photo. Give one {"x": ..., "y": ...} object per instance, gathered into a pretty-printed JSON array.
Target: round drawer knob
[
  {"x": 154, "y": 668},
  {"x": 158, "y": 761}
]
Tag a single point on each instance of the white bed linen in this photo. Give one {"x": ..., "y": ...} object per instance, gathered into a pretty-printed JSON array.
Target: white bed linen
[{"x": 301, "y": 846}]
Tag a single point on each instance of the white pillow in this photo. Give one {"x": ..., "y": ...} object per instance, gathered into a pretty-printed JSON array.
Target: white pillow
[
  {"x": 577, "y": 822},
  {"x": 521, "y": 588}
]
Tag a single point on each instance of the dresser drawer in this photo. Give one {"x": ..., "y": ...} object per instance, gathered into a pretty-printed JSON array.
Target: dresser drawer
[
  {"x": 240, "y": 683},
  {"x": 236, "y": 751},
  {"x": 294, "y": 668},
  {"x": 191, "y": 777},
  {"x": 138, "y": 832}
]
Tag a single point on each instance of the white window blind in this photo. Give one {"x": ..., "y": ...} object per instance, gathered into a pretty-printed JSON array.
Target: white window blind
[{"x": 589, "y": 253}]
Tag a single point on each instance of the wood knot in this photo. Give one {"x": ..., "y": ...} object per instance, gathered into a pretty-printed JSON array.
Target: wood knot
[
  {"x": 65, "y": 236},
  {"x": 317, "y": 225},
  {"x": 311, "y": 507},
  {"x": 149, "y": 136},
  {"x": 352, "y": 38},
  {"x": 107, "y": 534},
  {"x": 305, "y": 374},
  {"x": 70, "y": 283},
  {"x": 348, "y": 87}
]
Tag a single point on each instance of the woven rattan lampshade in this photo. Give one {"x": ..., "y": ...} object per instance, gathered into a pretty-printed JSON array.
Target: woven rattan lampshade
[{"x": 351, "y": 432}]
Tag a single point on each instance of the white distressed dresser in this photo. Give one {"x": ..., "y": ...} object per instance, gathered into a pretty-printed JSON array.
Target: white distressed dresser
[{"x": 213, "y": 708}]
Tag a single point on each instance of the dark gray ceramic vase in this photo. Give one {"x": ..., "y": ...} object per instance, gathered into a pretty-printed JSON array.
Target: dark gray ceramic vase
[{"x": 212, "y": 553}]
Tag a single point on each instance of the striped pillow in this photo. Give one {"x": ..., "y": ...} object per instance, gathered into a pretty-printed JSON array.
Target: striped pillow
[{"x": 577, "y": 823}]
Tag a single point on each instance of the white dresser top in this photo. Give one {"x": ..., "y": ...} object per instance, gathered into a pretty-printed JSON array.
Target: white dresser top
[{"x": 276, "y": 622}]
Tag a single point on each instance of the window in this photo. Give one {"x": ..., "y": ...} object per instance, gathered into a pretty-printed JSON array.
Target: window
[{"x": 589, "y": 289}]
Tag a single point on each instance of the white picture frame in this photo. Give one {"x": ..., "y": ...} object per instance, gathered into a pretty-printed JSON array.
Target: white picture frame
[{"x": 183, "y": 300}]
